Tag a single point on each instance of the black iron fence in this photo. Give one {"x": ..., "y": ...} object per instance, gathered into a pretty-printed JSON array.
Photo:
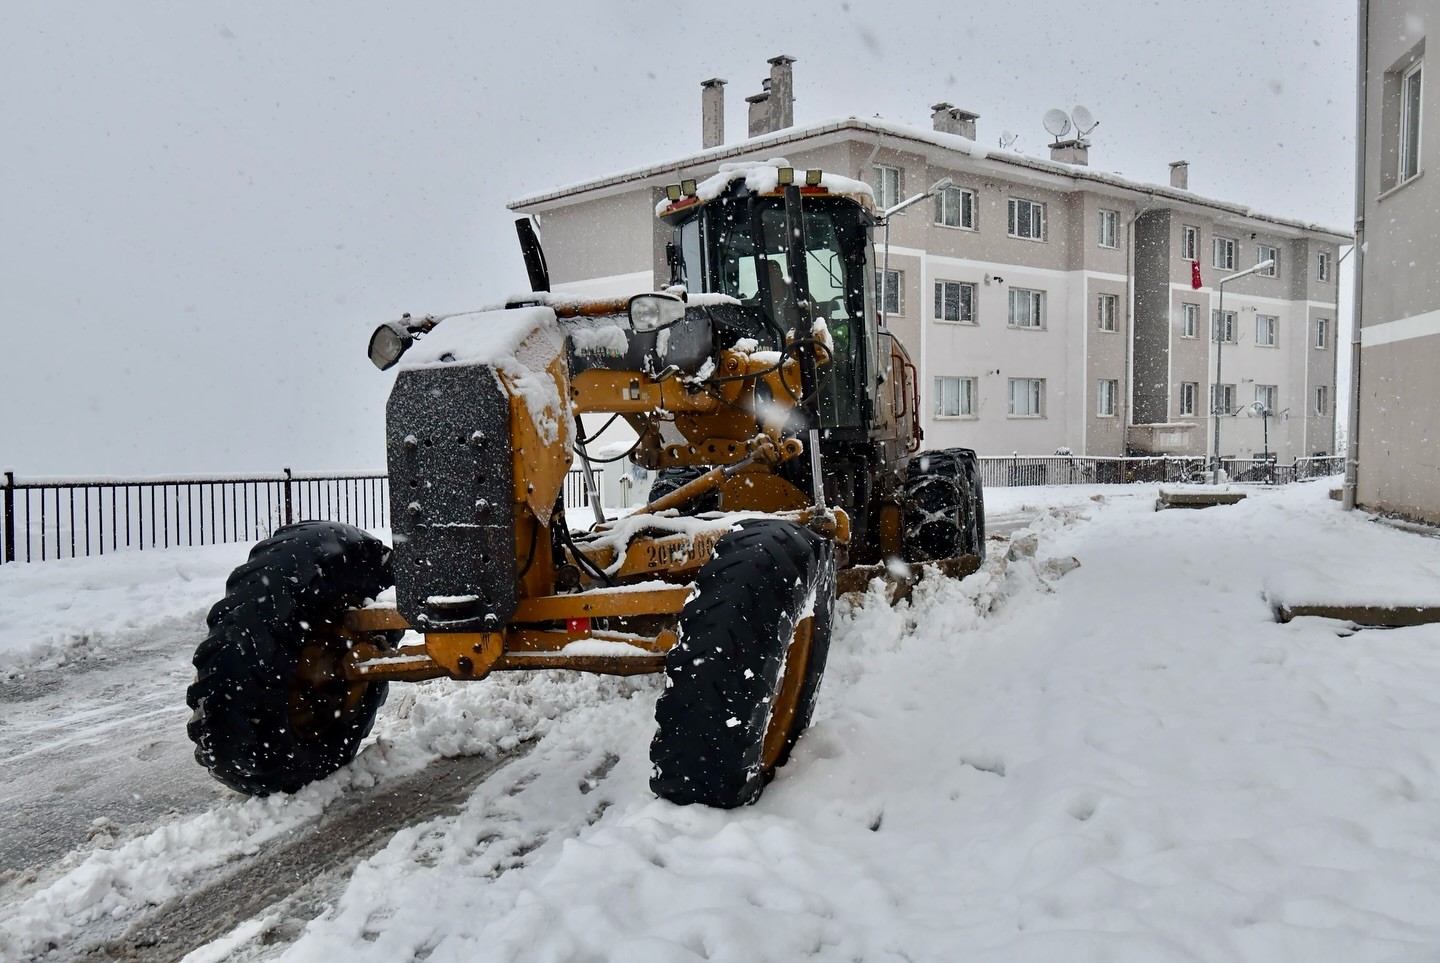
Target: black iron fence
[{"x": 50, "y": 518}]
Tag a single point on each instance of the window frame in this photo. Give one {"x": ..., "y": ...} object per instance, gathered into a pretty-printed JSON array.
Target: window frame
[
  {"x": 1409, "y": 124},
  {"x": 1271, "y": 393},
  {"x": 1113, "y": 220},
  {"x": 1231, "y": 317},
  {"x": 899, "y": 292},
  {"x": 961, "y": 397},
  {"x": 879, "y": 172},
  {"x": 1192, "y": 388},
  {"x": 1226, "y": 391},
  {"x": 1107, "y": 390},
  {"x": 1190, "y": 319},
  {"x": 939, "y": 300},
  {"x": 1321, "y": 400},
  {"x": 1037, "y": 307},
  {"x": 1274, "y": 271},
  {"x": 1189, "y": 242},
  {"x": 1035, "y": 391},
  {"x": 1274, "y": 330},
  {"x": 1234, "y": 247},
  {"x": 941, "y": 207},
  {"x": 1013, "y": 221},
  {"x": 1322, "y": 334},
  {"x": 1113, "y": 301},
  {"x": 1322, "y": 266}
]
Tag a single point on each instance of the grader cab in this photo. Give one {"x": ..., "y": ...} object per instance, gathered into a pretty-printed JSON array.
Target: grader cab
[{"x": 781, "y": 419}]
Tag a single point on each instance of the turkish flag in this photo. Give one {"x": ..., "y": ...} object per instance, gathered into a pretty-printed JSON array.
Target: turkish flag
[{"x": 1195, "y": 275}]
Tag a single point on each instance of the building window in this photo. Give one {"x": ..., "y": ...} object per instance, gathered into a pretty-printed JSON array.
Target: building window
[
  {"x": 892, "y": 288},
  {"x": 1188, "y": 391},
  {"x": 1266, "y": 330},
  {"x": 1027, "y": 219},
  {"x": 955, "y": 301},
  {"x": 1222, "y": 328},
  {"x": 1190, "y": 243},
  {"x": 1227, "y": 400},
  {"x": 1322, "y": 333},
  {"x": 1027, "y": 308},
  {"x": 1027, "y": 397},
  {"x": 1106, "y": 391},
  {"x": 1268, "y": 396},
  {"x": 1322, "y": 400},
  {"x": 1107, "y": 228},
  {"x": 1263, "y": 253},
  {"x": 1189, "y": 320},
  {"x": 887, "y": 187},
  {"x": 1224, "y": 251},
  {"x": 1322, "y": 266},
  {"x": 1109, "y": 307},
  {"x": 955, "y": 207},
  {"x": 1410, "y": 91},
  {"x": 954, "y": 397}
]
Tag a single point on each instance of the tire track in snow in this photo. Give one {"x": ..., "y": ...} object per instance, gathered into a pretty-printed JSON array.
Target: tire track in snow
[{"x": 295, "y": 878}]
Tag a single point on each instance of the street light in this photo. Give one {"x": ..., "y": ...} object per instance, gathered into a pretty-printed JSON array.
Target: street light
[
  {"x": 1219, "y": 332},
  {"x": 935, "y": 188}
]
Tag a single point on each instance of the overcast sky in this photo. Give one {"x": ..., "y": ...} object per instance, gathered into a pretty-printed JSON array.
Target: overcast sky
[{"x": 207, "y": 207}]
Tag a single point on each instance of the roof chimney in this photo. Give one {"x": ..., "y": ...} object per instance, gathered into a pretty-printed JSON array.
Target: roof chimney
[
  {"x": 1071, "y": 152},
  {"x": 712, "y": 112},
  {"x": 774, "y": 107},
  {"x": 949, "y": 119},
  {"x": 1180, "y": 175},
  {"x": 782, "y": 92},
  {"x": 760, "y": 110}
]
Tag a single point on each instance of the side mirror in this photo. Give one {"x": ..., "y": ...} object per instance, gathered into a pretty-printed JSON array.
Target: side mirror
[
  {"x": 651, "y": 312},
  {"x": 388, "y": 343}
]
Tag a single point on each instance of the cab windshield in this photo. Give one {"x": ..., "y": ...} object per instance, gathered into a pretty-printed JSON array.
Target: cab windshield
[{"x": 748, "y": 261}]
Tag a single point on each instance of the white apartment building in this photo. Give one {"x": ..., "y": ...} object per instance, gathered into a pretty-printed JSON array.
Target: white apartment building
[{"x": 1047, "y": 305}]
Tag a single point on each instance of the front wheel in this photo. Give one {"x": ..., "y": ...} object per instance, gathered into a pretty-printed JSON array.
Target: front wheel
[
  {"x": 741, "y": 683},
  {"x": 272, "y": 709}
]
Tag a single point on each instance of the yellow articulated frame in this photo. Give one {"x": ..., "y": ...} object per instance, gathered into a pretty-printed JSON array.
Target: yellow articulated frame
[{"x": 529, "y": 643}]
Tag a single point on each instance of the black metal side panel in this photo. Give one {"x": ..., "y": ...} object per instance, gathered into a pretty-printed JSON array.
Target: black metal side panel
[
  {"x": 451, "y": 498},
  {"x": 687, "y": 344}
]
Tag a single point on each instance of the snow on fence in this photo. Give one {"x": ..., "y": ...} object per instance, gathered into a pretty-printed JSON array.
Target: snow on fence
[{"x": 49, "y": 518}]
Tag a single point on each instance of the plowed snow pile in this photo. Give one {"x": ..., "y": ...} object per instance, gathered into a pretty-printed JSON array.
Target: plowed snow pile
[{"x": 1133, "y": 762}]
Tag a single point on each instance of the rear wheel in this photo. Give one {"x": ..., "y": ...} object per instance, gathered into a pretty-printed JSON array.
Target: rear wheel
[
  {"x": 935, "y": 499},
  {"x": 272, "y": 709},
  {"x": 973, "y": 492},
  {"x": 741, "y": 684}
]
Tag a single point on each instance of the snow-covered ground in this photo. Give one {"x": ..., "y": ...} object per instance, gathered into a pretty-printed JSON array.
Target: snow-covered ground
[{"x": 1131, "y": 761}]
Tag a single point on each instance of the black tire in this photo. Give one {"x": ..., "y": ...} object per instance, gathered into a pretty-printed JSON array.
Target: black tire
[
  {"x": 669, "y": 479},
  {"x": 935, "y": 503},
  {"x": 261, "y": 723},
  {"x": 973, "y": 492},
  {"x": 736, "y": 699}
]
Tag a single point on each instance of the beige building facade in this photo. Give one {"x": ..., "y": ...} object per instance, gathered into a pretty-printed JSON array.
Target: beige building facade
[
  {"x": 1043, "y": 302},
  {"x": 1395, "y": 466}
]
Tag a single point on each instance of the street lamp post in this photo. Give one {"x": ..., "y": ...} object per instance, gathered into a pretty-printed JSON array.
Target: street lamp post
[
  {"x": 935, "y": 188},
  {"x": 1219, "y": 332}
]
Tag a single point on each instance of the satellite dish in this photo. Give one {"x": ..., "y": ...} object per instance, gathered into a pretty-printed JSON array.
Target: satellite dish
[
  {"x": 1085, "y": 121},
  {"x": 1006, "y": 139},
  {"x": 1057, "y": 122}
]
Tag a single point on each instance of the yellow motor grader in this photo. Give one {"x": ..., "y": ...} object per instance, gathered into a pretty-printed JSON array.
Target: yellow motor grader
[{"x": 781, "y": 417}]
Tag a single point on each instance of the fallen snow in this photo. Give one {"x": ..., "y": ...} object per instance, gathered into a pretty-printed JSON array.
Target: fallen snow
[{"x": 1129, "y": 762}]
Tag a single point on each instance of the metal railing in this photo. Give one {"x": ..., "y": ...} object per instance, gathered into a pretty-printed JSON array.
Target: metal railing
[
  {"x": 1022, "y": 470},
  {"x": 51, "y": 518}
]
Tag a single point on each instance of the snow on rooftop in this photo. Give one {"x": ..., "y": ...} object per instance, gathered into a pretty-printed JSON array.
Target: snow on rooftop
[{"x": 801, "y": 132}]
